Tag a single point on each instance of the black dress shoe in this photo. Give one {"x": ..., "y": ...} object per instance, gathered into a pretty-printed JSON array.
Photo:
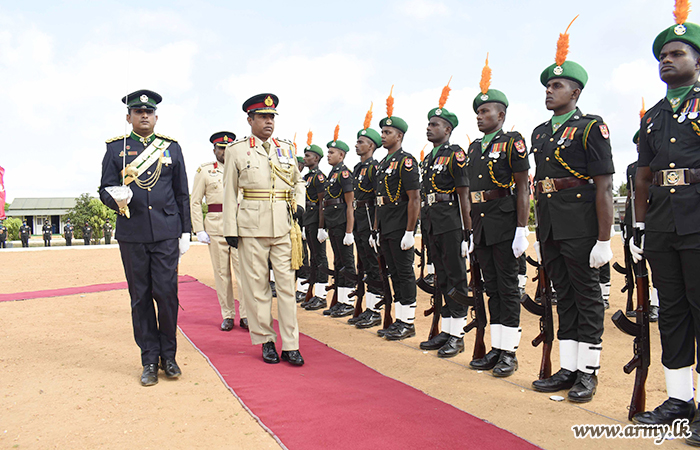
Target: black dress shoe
[
  {"x": 667, "y": 412},
  {"x": 453, "y": 347},
  {"x": 170, "y": 367},
  {"x": 293, "y": 357},
  {"x": 332, "y": 309},
  {"x": 584, "y": 388},
  {"x": 301, "y": 296},
  {"x": 694, "y": 438},
  {"x": 149, "y": 376},
  {"x": 343, "y": 311},
  {"x": 273, "y": 288},
  {"x": 362, "y": 316},
  {"x": 507, "y": 365},
  {"x": 315, "y": 304},
  {"x": 382, "y": 332},
  {"x": 227, "y": 325},
  {"x": 436, "y": 342},
  {"x": 243, "y": 323},
  {"x": 269, "y": 353},
  {"x": 372, "y": 320},
  {"x": 402, "y": 331},
  {"x": 488, "y": 362},
  {"x": 564, "y": 379},
  {"x": 653, "y": 313}
]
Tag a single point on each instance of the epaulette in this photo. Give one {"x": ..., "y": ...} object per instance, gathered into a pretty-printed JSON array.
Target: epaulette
[
  {"x": 162, "y": 136},
  {"x": 118, "y": 138},
  {"x": 238, "y": 141},
  {"x": 591, "y": 117},
  {"x": 207, "y": 164},
  {"x": 286, "y": 141}
]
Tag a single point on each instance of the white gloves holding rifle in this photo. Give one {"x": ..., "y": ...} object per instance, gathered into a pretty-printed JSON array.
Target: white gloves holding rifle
[
  {"x": 637, "y": 252},
  {"x": 467, "y": 245}
]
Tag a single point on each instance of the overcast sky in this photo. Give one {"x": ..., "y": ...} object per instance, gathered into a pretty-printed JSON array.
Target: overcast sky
[{"x": 64, "y": 67}]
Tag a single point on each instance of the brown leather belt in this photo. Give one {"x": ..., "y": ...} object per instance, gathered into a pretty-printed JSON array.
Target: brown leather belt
[
  {"x": 215, "y": 207},
  {"x": 385, "y": 200},
  {"x": 332, "y": 201},
  {"x": 488, "y": 195},
  {"x": 371, "y": 202},
  {"x": 436, "y": 197},
  {"x": 676, "y": 177},
  {"x": 557, "y": 184}
]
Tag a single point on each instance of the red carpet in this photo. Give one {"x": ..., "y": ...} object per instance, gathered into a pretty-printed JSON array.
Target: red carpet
[
  {"x": 333, "y": 401},
  {"x": 76, "y": 290}
]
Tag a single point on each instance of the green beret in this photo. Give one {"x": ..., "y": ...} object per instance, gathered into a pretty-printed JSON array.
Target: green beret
[
  {"x": 687, "y": 32},
  {"x": 569, "y": 70},
  {"x": 491, "y": 96},
  {"x": 444, "y": 114},
  {"x": 315, "y": 149},
  {"x": 300, "y": 159},
  {"x": 340, "y": 145},
  {"x": 372, "y": 135},
  {"x": 635, "y": 139},
  {"x": 396, "y": 122}
]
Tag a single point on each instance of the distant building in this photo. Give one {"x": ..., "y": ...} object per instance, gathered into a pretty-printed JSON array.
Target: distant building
[{"x": 36, "y": 210}]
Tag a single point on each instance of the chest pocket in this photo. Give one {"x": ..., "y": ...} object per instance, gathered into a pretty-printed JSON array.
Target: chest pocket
[
  {"x": 501, "y": 168},
  {"x": 250, "y": 174},
  {"x": 573, "y": 154}
]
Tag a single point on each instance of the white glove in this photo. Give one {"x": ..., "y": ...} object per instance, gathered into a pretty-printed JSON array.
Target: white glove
[
  {"x": 520, "y": 242},
  {"x": 184, "y": 243},
  {"x": 322, "y": 235},
  {"x": 407, "y": 241},
  {"x": 536, "y": 246},
  {"x": 467, "y": 247},
  {"x": 601, "y": 253},
  {"x": 622, "y": 234},
  {"x": 349, "y": 239},
  {"x": 637, "y": 252},
  {"x": 374, "y": 244},
  {"x": 303, "y": 234},
  {"x": 203, "y": 237}
]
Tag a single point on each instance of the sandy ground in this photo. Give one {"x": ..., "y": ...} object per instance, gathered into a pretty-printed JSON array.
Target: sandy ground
[{"x": 69, "y": 369}]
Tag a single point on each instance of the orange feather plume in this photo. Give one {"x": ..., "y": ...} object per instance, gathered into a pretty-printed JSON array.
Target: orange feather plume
[
  {"x": 485, "y": 82},
  {"x": 469, "y": 139},
  {"x": 308, "y": 137},
  {"x": 336, "y": 132},
  {"x": 390, "y": 103},
  {"x": 422, "y": 151},
  {"x": 563, "y": 45},
  {"x": 643, "y": 110},
  {"x": 294, "y": 142},
  {"x": 681, "y": 11},
  {"x": 368, "y": 117},
  {"x": 445, "y": 93}
]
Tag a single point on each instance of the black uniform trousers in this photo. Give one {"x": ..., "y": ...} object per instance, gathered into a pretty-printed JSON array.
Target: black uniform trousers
[
  {"x": 86, "y": 240},
  {"x": 69, "y": 241},
  {"x": 579, "y": 301},
  {"x": 304, "y": 271},
  {"x": 450, "y": 270},
  {"x": 343, "y": 257},
  {"x": 25, "y": 242},
  {"x": 400, "y": 265},
  {"x": 318, "y": 255},
  {"x": 108, "y": 239},
  {"x": 366, "y": 254},
  {"x": 151, "y": 273},
  {"x": 675, "y": 275},
  {"x": 47, "y": 240},
  {"x": 3, "y": 244},
  {"x": 499, "y": 268}
]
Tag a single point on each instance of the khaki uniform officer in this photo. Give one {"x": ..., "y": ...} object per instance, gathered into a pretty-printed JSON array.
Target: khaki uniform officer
[
  {"x": 262, "y": 226},
  {"x": 209, "y": 183}
]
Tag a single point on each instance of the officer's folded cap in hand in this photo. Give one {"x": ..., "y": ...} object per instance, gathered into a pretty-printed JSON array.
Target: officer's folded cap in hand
[{"x": 142, "y": 99}]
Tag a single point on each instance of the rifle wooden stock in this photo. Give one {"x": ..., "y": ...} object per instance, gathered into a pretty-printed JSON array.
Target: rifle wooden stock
[
  {"x": 386, "y": 288},
  {"x": 359, "y": 291},
  {"x": 544, "y": 311},
  {"x": 479, "y": 321},
  {"x": 311, "y": 281},
  {"x": 421, "y": 283},
  {"x": 437, "y": 308}
]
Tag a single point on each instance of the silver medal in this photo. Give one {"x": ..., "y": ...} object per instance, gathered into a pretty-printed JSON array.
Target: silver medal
[
  {"x": 693, "y": 115},
  {"x": 681, "y": 118},
  {"x": 561, "y": 141}
]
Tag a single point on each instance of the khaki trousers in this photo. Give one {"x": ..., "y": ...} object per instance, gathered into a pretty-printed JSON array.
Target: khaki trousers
[
  {"x": 222, "y": 257},
  {"x": 254, "y": 253}
]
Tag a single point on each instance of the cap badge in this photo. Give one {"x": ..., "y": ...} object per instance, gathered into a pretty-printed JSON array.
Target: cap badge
[
  {"x": 334, "y": 143},
  {"x": 363, "y": 132},
  {"x": 438, "y": 112},
  {"x": 268, "y": 101},
  {"x": 558, "y": 70},
  {"x": 484, "y": 97},
  {"x": 679, "y": 30},
  {"x": 144, "y": 98},
  {"x": 388, "y": 121},
  {"x": 225, "y": 138}
]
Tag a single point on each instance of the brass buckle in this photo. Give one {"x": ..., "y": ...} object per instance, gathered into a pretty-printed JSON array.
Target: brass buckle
[
  {"x": 477, "y": 197},
  {"x": 548, "y": 186},
  {"x": 380, "y": 201},
  {"x": 354, "y": 204},
  {"x": 673, "y": 177},
  {"x": 431, "y": 198}
]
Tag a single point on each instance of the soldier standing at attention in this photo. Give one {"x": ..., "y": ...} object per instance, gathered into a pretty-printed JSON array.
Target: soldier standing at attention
[
  {"x": 574, "y": 207},
  {"x": 338, "y": 215},
  {"x": 263, "y": 226},
  {"x": 156, "y": 231},
  {"x": 315, "y": 188},
  {"x": 500, "y": 207},
  {"x": 107, "y": 231},
  {"x": 446, "y": 224},
  {"x": 68, "y": 233},
  {"x": 3, "y": 235},
  {"x": 365, "y": 176},
  {"x": 398, "y": 206},
  {"x": 87, "y": 233},
  {"x": 304, "y": 271},
  {"x": 667, "y": 208},
  {"x": 24, "y": 232},
  {"x": 46, "y": 230},
  {"x": 209, "y": 184}
]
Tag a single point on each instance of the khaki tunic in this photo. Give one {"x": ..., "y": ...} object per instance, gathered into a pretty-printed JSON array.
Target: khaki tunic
[
  {"x": 208, "y": 183},
  {"x": 262, "y": 227}
]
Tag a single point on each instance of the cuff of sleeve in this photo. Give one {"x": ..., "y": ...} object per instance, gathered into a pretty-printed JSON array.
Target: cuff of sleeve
[{"x": 604, "y": 167}]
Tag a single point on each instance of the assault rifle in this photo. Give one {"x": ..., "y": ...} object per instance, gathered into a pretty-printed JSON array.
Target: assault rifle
[
  {"x": 433, "y": 290},
  {"x": 476, "y": 300},
  {"x": 334, "y": 286},
  {"x": 639, "y": 329},
  {"x": 627, "y": 271},
  {"x": 359, "y": 292},
  {"x": 387, "y": 299}
]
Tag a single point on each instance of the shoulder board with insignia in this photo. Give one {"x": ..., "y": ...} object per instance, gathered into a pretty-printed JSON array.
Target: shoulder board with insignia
[
  {"x": 118, "y": 138},
  {"x": 207, "y": 164},
  {"x": 286, "y": 141},
  {"x": 162, "y": 136}
]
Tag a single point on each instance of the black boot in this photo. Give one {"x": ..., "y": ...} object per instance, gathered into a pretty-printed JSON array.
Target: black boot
[
  {"x": 402, "y": 331},
  {"x": 667, "y": 412},
  {"x": 436, "y": 342},
  {"x": 488, "y": 362},
  {"x": 694, "y": 438},
  {"x": 372, "y": 320},
  {"x": 362, "y": 316},
  {"x": 507, "y": 365},
  {"x": 453, "y": 347},
  {"x": 564, "y": 379},
  {"x": 584, "y": 388}
]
